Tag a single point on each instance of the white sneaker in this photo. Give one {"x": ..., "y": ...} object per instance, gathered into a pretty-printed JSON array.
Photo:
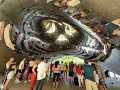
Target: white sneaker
[
  {"x": 17, "y": 81},
  {"x": 1, "y": 86},
  {"x": 25, "y": 81},
  {"x": 29, "y": 80}
]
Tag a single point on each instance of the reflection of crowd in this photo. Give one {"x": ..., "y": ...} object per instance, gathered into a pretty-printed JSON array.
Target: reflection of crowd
[
  {"x": 82, "y": 75},
  {"x": 35, "y": 69},
  {"x": 10, "y": 71},
  {"x": 89, "y": 75},
  {"x": 88, "y": 17}
]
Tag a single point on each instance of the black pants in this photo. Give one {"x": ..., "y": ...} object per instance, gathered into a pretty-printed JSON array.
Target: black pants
[
  {"x": 40, "y": 84},
  {"x": 21, "y": 76},
  {"x": 56, "y": 77}
]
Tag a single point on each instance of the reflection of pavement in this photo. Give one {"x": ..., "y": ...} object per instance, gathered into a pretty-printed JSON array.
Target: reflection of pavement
[
  {"x": 113, "y": 83},
  {"x": 47, "y": 86}
]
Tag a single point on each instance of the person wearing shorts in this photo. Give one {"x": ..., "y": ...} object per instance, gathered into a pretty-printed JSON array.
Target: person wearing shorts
[{"x": 10, "y": 76}]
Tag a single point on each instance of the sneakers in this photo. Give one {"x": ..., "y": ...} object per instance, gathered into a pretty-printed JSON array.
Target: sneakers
[
  {"x": 17, "y": 81},
  {"x": 25, "y": 81},
  {"x": 29, "y": 80},
  {"x": 1, "y": 86}
]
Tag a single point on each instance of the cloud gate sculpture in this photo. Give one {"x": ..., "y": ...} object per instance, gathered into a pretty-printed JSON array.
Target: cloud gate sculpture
[{"x": 45, "y": 29}]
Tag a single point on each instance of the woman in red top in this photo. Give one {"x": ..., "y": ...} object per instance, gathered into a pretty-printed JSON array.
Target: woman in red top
[{"x": 80, "y": 75}]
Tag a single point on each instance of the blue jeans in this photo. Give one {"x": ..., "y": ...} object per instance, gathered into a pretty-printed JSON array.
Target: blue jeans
[{"x": 40, "y": 84}]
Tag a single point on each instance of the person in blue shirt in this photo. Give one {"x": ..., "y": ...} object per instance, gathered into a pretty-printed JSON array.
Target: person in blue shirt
[{"x": 90, "y": 73}]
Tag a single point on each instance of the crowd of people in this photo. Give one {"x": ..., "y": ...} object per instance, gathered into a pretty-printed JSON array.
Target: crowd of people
[{"x": 90, "y": 75}]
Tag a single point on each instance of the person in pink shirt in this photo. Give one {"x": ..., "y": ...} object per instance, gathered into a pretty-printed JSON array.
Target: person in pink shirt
[{"x": 56, "y": 70}]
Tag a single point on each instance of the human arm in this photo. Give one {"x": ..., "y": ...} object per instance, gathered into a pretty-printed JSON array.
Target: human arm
[
  {"x": 14, "y": 67},
  {"x": 33, "y": 69},
  {"x": 94, "y": 73}
]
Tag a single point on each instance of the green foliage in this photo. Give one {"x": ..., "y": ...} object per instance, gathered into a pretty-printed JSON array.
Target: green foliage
[{"x": 68, "y": 59}]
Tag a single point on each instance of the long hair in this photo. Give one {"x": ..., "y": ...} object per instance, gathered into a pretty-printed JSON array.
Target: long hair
[{"x": 56, "y": 64}]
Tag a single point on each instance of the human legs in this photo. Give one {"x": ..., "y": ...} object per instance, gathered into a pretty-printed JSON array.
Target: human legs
[
  {"x": 102, "y": 83},
  {"x": 18, "y": 77},
  {"x": 9, "y": 77},
  {"x": 7, "y": 84},
  {"x": 79, "y": 80},
  {"x": 33, "y": 80},
  {"x": 27, "y": 75},
  {"x": 65, "y": 74},
  {"x": 62, "y": 74},
  {"x": 50, "y": 73},
  {"x": 57, "y": 78},
  {"x": 71, "y": 76},
  {"x": 54, "y": 77},
  {"x": 40, "y": 84},
  {"x": 94, "y": 85},
  {"x": 5, "y": 78},
  {"x": 90, "y": 85},
  {"x": 21, "y": 76}
]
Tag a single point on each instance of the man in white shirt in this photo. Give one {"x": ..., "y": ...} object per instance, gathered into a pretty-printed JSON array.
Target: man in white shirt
[
  {"x": 41, "y": 74},
  {"x": 20, "y": 69}
]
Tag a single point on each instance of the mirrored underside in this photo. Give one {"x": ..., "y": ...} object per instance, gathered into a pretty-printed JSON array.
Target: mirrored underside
[{"x": 45, "y": 30}]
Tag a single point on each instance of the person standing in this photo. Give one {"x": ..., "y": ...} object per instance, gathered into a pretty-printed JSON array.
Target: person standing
[
  {"x": 8, "y": 64},
  {"x": 12, "y": 71},
  {"x": 23, "y": 71},
  {"x": 56, "y": 70},
  {"x": 65, "y": 70},
  {"x": 34, "y": 74},
  {"x": 29, "y": 72},
  {"x": 41, "y": 74},
  {"x": 71, "y": 73},
  {"x": 80, "y": 76},
  {"x": 20, "y": 70},
  {"x": 90, "y": 75}
]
